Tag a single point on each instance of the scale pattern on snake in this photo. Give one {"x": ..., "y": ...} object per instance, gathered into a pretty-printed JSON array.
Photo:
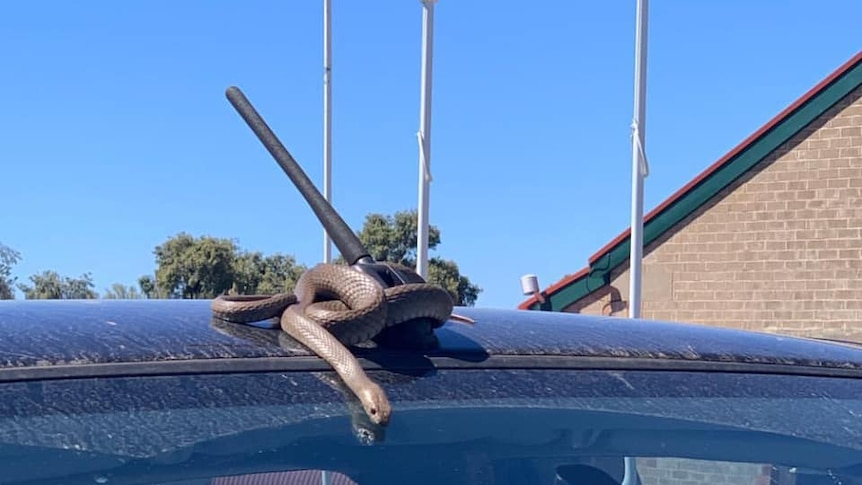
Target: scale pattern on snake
[{"x": 334, "y": 306}]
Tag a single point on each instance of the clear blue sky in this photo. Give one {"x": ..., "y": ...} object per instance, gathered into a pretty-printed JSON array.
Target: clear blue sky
[{"x": 115, "y": 133}]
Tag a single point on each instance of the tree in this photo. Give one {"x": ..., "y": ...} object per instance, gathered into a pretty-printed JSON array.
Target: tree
[
  {"x": 49, "y": 285},
  {"x": 446, "y": 274},
  {"x": 393, "y": 239},
  {"x": 8, "y": 258},
  {"x": 147, "y": 284},
  {"x": 266, "y": 275},
  {"x": 205, "y": 267},
  {"x": 190, "y": 267},
  {"x": 149, "y": 289},
  {"x": 119, "y": 291}
]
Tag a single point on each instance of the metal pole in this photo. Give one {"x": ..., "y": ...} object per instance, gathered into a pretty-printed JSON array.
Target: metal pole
[
  {"x": 638, "y": 161},
  {"x": 327, "y": 140},
  {"x": 639, "y": 169},
  {"x": 327, "y": 119},
  {"x": 424, "y": 136}
]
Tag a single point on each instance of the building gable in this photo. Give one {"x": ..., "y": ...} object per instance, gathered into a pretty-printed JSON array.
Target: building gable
[{"x": 705, "y": 187}]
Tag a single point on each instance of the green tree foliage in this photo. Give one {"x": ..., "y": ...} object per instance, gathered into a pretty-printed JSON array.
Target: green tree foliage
[
  {"x": 446, "y": 274},
  {"x": 393, "y": 239},
  {"x": 49, "y": 285},
  {"x": 147, "y": 284},
  {"x": 8, "y": 258},
  {"x": 190, "y": 267},
  {"x": 259, "y": 274},
  {"x": 205, "y": 267},
  {"x": 119, "y": 291},
  {"x": 149, "y": 289}
]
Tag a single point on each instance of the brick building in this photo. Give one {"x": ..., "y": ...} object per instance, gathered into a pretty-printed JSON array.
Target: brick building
[{"x": 768, "y": 238}]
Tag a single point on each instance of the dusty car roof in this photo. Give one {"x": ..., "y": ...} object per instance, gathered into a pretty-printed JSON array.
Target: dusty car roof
[{"x": 66, "y": 338}]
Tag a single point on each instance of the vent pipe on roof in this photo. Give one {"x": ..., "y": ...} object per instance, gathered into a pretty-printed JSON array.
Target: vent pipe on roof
[{"x": 530, "y": 287}]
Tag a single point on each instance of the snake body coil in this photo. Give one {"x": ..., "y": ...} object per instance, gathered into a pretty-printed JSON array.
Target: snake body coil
[{"x": 335, "y": 306}]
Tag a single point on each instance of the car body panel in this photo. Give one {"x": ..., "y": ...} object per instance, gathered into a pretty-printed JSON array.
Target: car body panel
[{"x": 78, "y": 333}]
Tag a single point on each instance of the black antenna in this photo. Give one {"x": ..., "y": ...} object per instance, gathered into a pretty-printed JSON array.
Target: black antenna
[{"x": 342, "y": 236}]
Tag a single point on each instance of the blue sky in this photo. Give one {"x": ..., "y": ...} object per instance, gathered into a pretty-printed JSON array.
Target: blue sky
[{"x": 115, "y": 133}]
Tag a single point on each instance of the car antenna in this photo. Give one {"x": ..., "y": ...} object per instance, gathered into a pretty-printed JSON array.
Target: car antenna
[{"x": 342, "y": 236}]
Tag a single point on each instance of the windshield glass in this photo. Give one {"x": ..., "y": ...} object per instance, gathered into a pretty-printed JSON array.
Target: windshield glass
[{"x": 518, "y": 426}]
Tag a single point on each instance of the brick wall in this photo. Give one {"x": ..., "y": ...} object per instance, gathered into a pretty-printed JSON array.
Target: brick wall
[{"x": 780, "y": 250}]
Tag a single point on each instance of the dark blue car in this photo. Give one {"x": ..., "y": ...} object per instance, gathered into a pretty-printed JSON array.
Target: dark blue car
[{"x": 158, "y": 392}]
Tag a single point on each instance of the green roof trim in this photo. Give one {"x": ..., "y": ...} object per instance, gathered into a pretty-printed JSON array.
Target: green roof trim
[
  {"x": 759, "y": 146},
  {"x": 574, "y": 292}
]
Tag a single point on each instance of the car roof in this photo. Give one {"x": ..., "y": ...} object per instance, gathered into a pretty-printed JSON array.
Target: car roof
[{"x": 75, "y": 335}]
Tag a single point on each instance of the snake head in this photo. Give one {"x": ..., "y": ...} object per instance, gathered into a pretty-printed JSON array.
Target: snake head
[{"x": 375, "y": 403}]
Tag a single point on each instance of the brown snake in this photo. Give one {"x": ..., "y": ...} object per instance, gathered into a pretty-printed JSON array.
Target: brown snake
[{"x": 334, "y": 306}]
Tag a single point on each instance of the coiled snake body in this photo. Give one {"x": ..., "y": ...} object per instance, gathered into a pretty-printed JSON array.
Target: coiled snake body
[{"x": 334, "y": 306}]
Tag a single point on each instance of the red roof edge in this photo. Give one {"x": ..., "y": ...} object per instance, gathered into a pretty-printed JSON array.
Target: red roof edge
[{"x": 703, "y": 175}]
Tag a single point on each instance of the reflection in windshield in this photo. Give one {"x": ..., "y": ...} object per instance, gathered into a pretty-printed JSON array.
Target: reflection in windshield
[
  {"x": 296, "y": 477},
  {"x": 651, "y": 471},
  {"x": 455, "y": 426}
]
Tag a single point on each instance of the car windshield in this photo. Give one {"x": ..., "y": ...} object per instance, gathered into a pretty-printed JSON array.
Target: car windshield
[{"x": 500, "y": 426}]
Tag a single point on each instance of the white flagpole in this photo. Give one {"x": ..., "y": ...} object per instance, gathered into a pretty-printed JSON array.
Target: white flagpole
[
  {"x": 640, "y": 170},
  {"x": 327, "y": 119},
  {"x": 424, "y": 136},
  {"x": 327, "y": 139},
  {"x": 639, "y": 166}
]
